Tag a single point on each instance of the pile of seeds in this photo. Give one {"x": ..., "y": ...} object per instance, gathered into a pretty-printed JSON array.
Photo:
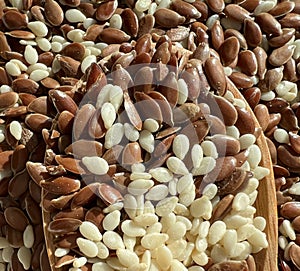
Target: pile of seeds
[{"x": 146, "y": 160}]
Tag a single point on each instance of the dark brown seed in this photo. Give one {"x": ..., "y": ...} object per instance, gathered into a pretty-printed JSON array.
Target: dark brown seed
[
  {"x": 8, "y": 99},
  {"x": 202, "y": 8},
  {"x": 294, "y": 253},
  {"x": 132, "y": 113},
  {"x": 14, "y": 20},
  {"x": 77, "y": 213},
  {"x": 65, "y": 122},
  {"x": 247, "y": 62},
  {"x": 19, "y": 158},
  {"x": 281, "y": 55},
  {"x": 232, "y": 32},
  {"x": 63, "y": 225},
  {"x": 74, "y": 50},
  {"x": 96, "y": 127},
  {"x": 261, "y": 57},
  {"x": 37, "y": 122},
  {"x": 287, "y": 34},
  {"x": 33, "y": 210},
  {"x": 185, "y": 9},
  {"x": 268, "y": 24},
  {"x": 53, "y": 12},
  {"x": 69, "y": 66},
  {"x": 241, "y": 80},
  {"x": 18, "y": 185},
  {"x": 291, "y": 20},
  {"x": 169, "y": 89},
  {"x": 62, "y": 101},
  {"x": 277, "y": 105},
  {"x": 222, "y": 208},
  {"x": 130, "y": 22},
  {"x": 113, "y": 35},
  {"x": 241, "y": 157},
  {"x": 245, "y": 122},
  {"x": 230, "y": 265},
  {"x": 162, "y": 54},
  {"x": 106, "y": 9},
  {"x": 229, "y": 50},
  {"x": 262, "y": 114},
  {"x": 226, "y": 145},
  {"x": 61, "y": 185},
  {"x": 295, "y": 141},
  {"x": 146, "y": 24},
  {"x": 168, "y": 18},
  {"x": 252, "y": 33},
  {"x": 289, "y": 120},
  {"x": 288, "y": 156},
  {"x": 67, "y": 259},
  {"x": 252, "y": 95},
  {"x": 71, "y": 164},
  {"x": 236, "y": 12},
  {"x": 16, "y": 218},
  {"x": 217, "y": 35},
  {"x": 290, "y": 210},
  {"x": 25, "y": 85},
  {"x": 82, "y": 148},
  {"x": 215, "y": 75},
  {"x": 109, "y": 194},
  {"x": 216, "y": 5},
  {"x": 178, "y": 34}
]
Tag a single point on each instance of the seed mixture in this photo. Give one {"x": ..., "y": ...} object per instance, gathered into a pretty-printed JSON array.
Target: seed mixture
[{"x": 138, "y": 152}]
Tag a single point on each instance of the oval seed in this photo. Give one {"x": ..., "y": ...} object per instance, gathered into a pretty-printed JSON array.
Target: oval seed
[
  {"x": 103, "y": 251},
  {"x": 127, "y": 257},
  {"x": 15, "y": 129},
  {"x": 90, "y": 231},
  {"x": 108, "y": 114},
  {"x": 87, "y": 247},
  {"x": 131, "y": 229},
  {"x": 154, "y": 240},
  {"x": 111, "y": 221},
  {"x": 113, "y": 240},
  {"x": 177, "y": 166},
  {"x": 28, "y": 236},
  {"x": 24, "y": 256},
  {"x": 96, "y": 165},
  {"x": 181, "y": 146}
]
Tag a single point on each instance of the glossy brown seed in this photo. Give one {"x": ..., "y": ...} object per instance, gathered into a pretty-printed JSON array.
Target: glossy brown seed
[
  {"x": 93, "y": 32},
  {"x": 216, "y": 6},
  {"x": 294, "y": 253},
  {"x": 262, "y": 114},
  {"x": 77, "y": 213},
  {"x": 96, "y": 216},
  {"x": 241, "y": 80},
  {"x": 113, "y": 35},
  {"x": 25, "y": 85},
  {"x": 106, "y": 9},
  {"x": 236, "y": 12},
  {"x": 14, "y": 20},
  {"x": 37, "y": 122},
  {"x": 252, "y": 33},
  {"x": 289, "y": 71},
  {"x": 81, "y": 120},
  {"x": 215, "y": 75},
  {"x": 40, "y": 105},
  {"x": 230, "y": 265},
  {"x": 62, "y": 101},
  {"x": 74, "y": 50},
  {"x": 143, "y": 44},
  {"x": 37, "y": 171},
  {"x": 85, "y": 196},
  {"x": 247, "y": 62},
  {"x": 268, "y": 24},
  {"x": 21, "y": 34},
  {"x": 185, "y": 9},
  {"x": 289, "y": 120},
  {"x": 178, "y": 34},
  {"x": 202, "y": 8},
  {"x": 226, "y": 145},
  {"x": 224, "y": 168},
  {"x": 65, "y": 122},
  {"x": 130, "y": 22},
  {"x": 290, "y": 210},
  {"x": 146, "y": 24},
  {"x": 8, "y": 99},
  {"x": 291, "y": 20},
  {"x": 281, "y": 55},
  {"x": 16, "y": 218},
  {"x": 274, "y": 120},
  {"x": 69, "y": 163},
  {"x": 229, "y": 50},
  {"x": 18, "y": 185},
  {"x": 168, "y": 18},
  {"x": 245, "y": 122},
  {"x": 96, "y": 127},
  {"x": 287, "y": 34},
  {"x": 69, "y": 66},
  {"x": 15, "y": 240},
  {"x": 132, "y": 112},
  {"x": 288, "y": 156},
  {"x": 132, "y": 154},
  {"x": 162, "y": 54},
  {"x": 261, "y": 57},
  {"x": 33, "y": 210},
  {"x": 222, "y": 208},
  {"x": 252, "y": 95},
  {"x": 217, "y": 35},
  {"x": 67, "y": 259},
  {"x": 61, "y": 185},
  {"x": 295, "y": 141},
  {"x": 19, "y": 158},
  {"x": 53, "y": 12},
  {"x": 63, "y": 225},
  {"x": 202, "y": 52},
  {"x": 232, "y": 32}
]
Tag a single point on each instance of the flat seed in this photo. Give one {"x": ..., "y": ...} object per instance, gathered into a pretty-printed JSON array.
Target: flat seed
[
  {"x": 113, "y": 240},
  {"x": 61, "y": 185},
  {"x": 24, "y": 256},
  {"x": 16, "y": 218},
  {"x": 127, "y": 257},
  {"x": 111, "y": 221},
  {"x": 90, "y": 231},
  {"x": 96, "y": 165},
  {"x": 30, "y": 54},
  {"x": 28, "y": 237},
  {"x": 15, "y": 129},
  {"x": 176, "y": 166},
  {"x": 154, "y": 240},
  {"x": 87, "y": 247}
]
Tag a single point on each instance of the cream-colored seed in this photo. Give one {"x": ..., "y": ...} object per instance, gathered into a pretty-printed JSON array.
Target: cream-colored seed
[
  {"x": 282, "y": 242},
  {"x": 201, "y": 207},
  {"x": 161, "y": 174},
  {"x": 111, "y": 220},
  {"x": 103, "y": 251},
  {"x": 267, "y": 96},
  {"x": 20, "y": 64},
  {"x": 240, "y": 201},
  {"x": 287, "y": 225},
  {"x": 103, "y": 96},
  {"x": 184, "y": 183},
  {"x": 157, "y": 192},
  {"x": 245, "y": 231},
  {"x": 129, "y": 242},
  {"x": 115, "y": 21},
  {"x": 113, "y": 240},
  {"x": 60, "y": 252},
  {"x": 38, "y": 28},
  {"x": 101, "y": 266},
  {"x": 151, "y": 125},
  {"x": 200, "y": 258},
  {"x": 218, "y": 253},
  {"x": 233, "y": 131},
  {"x": 15, "y": 129},
  {"x": 43, "y": 43},
  {"x": 201, "y": 244},
  {"x": 30, "y": 54},
  {"x": 175, "y": 165},
  {"x": 177, "y": 231},
  {"x": 140, "y": 186},
  {"x": 95, "y": 164},
  {"x": 142, "y": 5},
  {"x": 87, "y": 247},
  {"x": 177, "y": 247},
  {"x": 254, "y": 157},
  {"x": 209, "y": 149},
  {"x": 130, "y": 132},
  {"x": 87, "y": 61},
  {"x": 108, "y": 114},
  {"x": 127, "y": 257},
  {"x": 281, "y": 136},
  {"x": 181, "y": 145},
  {"x": 114, "y": 135},
  {"x": 229, "y": 240},
  {"x": 154, "y": 240},
  {"x": 197, "y": 155},
  {"x": 24, "y": 256},
  {"x": 210, "y": 191},
  {"x": 37, "y": 66},
  {"x": 216, "y": 232},
  {"x": 132, "y": 229},
  {"x": 258, "y": 239},
  {"x": 38, "y": 75},
  {"x": 74, "y": 16},
  {"x": 56, "y": 46},
  {"x": 207, "y": 165},
  {"x": 146, "y": 220},
  {"x": 140, "y": 175},
  {"x": 182, "y": 91},
  {"x": 12, "y": 69},
  {"x": 146, "y": 141},
  {"x": 246, "y": 141},
  {"x": 6, "y": 255},
  {"x": 79, "y": 262},
  {"x": 166, "y": 206}
]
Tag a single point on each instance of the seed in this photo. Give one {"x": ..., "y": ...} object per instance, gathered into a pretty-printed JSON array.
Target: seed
[
  {"x": 176, "y": 166},
  {"x": 24, "y": 256},
  {"x": 113, "y": 240},
  {"x": 95, "y": 165},
  {"x": 87, "y": 247},
  {"x": 108, "y": 114},
  {"x": 114, "y": 135},
  {"x": 16, "y": 218},
  {"x": 38, "y": 28},
  {"x": 28, "y": 237},
  {"x": 74, "y": 16},
  {"x": 15, "y": 129},
  {"x": 127, "y": 257},
  {"x": 90, "y": 231},
  {"x": 12, "y": 69},
  {"x": 61, "y": 185},
  {"x": 168, "y": 18}
]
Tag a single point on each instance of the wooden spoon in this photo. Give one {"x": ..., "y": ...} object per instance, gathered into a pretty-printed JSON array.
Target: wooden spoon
[{"x": 266, "y": 206}]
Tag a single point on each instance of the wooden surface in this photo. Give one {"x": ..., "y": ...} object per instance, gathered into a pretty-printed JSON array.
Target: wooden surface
[{"x": 266, "y": 205}]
